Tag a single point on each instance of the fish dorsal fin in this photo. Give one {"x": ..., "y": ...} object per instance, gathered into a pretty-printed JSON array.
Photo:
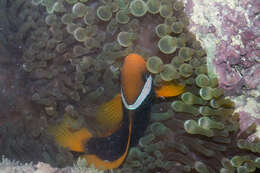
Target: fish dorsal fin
[
  {"x": 65, "y": 137},
  {"x": 109, "y": 115},
  {"x": 169, "y": 89}
]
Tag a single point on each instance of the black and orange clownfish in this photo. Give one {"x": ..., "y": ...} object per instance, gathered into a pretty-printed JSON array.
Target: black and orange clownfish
[{"x": 127, "y": 116}]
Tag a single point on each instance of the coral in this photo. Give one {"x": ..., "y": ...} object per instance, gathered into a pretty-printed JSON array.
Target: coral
[
  {"x": 9, "y": 165},
  {"x": 80, "y": 166}
]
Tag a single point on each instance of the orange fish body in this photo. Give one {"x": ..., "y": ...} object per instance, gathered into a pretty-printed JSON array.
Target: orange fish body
[
  {"x": 128, "y": 112},
  {"x": 110, "y": 152}
]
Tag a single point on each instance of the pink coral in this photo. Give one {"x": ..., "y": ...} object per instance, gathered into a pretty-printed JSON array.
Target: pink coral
[
  {"x": 234, "y": 31},
  {"x": 234, "y": 63}
]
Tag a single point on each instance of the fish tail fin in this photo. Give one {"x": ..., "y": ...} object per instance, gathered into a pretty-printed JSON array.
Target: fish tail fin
[{"x": 74, "y": 140}]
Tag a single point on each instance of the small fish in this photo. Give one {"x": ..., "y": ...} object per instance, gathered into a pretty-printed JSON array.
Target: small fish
[{"x": 127, "y": 116}]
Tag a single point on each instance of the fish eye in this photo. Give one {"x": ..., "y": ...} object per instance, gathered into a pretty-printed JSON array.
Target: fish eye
[
  {"x": 119, "y": 78},
  {"x": 145, "y": 76}
]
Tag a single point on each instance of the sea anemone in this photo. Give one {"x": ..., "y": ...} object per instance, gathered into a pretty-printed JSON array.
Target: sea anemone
[{"x": 72, "y": 52}]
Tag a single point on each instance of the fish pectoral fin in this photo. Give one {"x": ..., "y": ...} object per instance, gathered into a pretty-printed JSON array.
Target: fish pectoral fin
[
  {"x": 64, "y": 137},
  {"x": 109, "y": 115},
  {"x": 169, "y": 89}
]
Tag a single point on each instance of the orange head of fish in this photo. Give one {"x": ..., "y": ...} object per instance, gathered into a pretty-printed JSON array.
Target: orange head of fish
[{"x": 132, "y": 77}]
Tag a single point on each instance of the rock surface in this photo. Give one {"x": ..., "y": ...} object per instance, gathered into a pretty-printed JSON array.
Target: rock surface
[{"x": 230, "y": 33}]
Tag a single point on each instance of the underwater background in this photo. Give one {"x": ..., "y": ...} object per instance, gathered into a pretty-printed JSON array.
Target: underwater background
[{"x": 62, "y": 58}]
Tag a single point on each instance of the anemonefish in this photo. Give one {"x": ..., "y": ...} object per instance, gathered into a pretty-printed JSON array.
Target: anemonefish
[{"x": 126, "y": 116}]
